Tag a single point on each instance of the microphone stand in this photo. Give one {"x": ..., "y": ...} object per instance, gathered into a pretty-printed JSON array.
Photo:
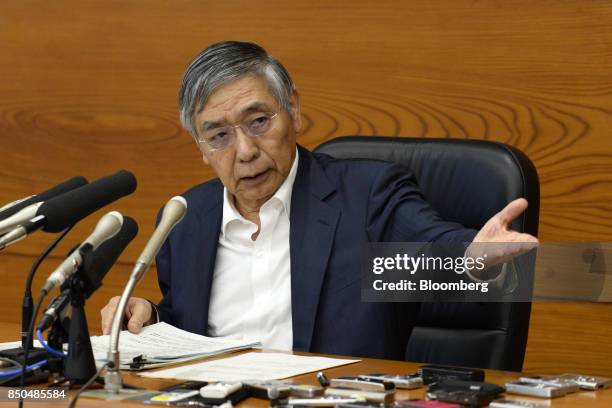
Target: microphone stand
[
  {"x": 58, "y": 335},
  {"x": 173, "y": 213},
  {"x": 112, "y": 378},
  {"x": 80, "y": 365}
]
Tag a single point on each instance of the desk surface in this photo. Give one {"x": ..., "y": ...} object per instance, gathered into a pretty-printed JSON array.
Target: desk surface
[{"x": 602, "y": 398}]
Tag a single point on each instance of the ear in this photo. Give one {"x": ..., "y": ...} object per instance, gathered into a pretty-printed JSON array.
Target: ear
[{"x": 296, "y": 117}]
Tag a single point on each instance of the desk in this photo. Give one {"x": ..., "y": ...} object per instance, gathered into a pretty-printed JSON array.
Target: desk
[{"x": 602, "y": 398}]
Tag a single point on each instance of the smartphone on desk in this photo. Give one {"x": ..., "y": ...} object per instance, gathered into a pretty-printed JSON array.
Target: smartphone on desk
[
  {"x": 187, "y": 385},
  {"x": 406, "y": 382},
  {"x": 534, "y": 389}
]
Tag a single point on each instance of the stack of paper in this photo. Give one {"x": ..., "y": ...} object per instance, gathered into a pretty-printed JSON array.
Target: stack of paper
[
  {"x": 251, "y": 366},
  {"x": 162, "y": 344}
]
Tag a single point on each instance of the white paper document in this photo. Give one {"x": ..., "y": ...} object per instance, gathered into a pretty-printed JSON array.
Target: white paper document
[
  {"x": 250, "y": 366},
  {"x": 16, "y": 344},
  {"x": 161, "y": 344}
]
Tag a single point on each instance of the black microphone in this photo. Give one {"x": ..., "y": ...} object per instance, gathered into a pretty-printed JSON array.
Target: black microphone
[
  {"x": 96, "y": 264},
  {"x": 61, "y": 188},
  {"x": 58, "y": 213},
  {"x": 71, "y": 207}
]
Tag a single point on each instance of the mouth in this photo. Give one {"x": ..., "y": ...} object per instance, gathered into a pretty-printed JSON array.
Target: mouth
[{"x": 256, "y": 178}]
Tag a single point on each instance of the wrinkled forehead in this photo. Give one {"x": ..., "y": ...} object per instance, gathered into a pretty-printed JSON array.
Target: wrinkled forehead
[{"x": 242, "y": 95}]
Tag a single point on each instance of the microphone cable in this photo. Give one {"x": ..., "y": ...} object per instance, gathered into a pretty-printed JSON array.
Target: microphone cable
[
  {"x": 27, "y": 348},
  {"x": 49, "y": 349},
  {"x": 30, "y": 329},
  {"x": 15, "y": 373},
  {"x": 28, "y": 302}
]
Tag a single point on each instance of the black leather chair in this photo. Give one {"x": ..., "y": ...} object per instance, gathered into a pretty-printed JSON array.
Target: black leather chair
[{"x": 466, "y": 181}]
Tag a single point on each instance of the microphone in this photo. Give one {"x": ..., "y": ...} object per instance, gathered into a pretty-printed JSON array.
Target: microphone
[
  {"x": 71, "y": 207},
  {"x": 16, "y": 206},
  {"x": 96, "y": 265},
  {"x": 172, "y": 214},
  {"x": 17, "y": 219},
  {"x": 60, "y": 212},
  {"x": 108, "y": 226}
]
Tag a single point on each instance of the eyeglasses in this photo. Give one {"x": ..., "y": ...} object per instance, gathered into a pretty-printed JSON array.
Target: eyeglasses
[{"x": 254, "y": 125}]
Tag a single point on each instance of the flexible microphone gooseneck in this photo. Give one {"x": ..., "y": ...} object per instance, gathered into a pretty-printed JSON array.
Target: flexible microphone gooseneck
[{"x": 173, "y": 213}]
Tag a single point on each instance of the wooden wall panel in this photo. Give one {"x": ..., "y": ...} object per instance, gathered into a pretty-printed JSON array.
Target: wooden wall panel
[
  {"x": 569, "y": 337},
  {"x": 90, "y": 87}
]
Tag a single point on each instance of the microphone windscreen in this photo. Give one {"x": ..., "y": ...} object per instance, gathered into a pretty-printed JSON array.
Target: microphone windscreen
[
  {"x": 61, "y": 188},
  {"x": 71, "y": 207},
  {"x": 96, "y": 264}
]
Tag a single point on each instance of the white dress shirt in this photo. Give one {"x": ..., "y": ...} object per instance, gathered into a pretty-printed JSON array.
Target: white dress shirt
[{"x": 251, "y": 289}]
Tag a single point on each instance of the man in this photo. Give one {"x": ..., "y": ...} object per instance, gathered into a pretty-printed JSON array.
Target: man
[{"x": 270, "y": 250}]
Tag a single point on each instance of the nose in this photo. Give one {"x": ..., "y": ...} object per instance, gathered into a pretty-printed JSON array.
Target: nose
[{"x": 246, "y": 148}]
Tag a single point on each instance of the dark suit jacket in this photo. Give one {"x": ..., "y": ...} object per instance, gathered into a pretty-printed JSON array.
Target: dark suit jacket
[{"x": 336, "y": 207}]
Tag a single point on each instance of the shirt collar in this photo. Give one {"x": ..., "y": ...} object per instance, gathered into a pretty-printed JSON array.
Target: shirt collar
[{"x": 283, "y": 194}]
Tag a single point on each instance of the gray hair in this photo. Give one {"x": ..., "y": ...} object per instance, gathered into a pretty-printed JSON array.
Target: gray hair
[{"x": 222, "y": 63}]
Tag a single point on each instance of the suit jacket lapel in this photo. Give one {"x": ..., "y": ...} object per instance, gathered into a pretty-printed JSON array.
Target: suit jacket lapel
[
  {"x": 313, "y": 227},
  {"x": 208, "y": 229}
]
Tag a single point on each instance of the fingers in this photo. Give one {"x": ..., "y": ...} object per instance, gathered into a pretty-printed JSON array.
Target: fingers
[
  {"x": 107, "y": 314},
  {"x": 137, "y": 310},
  {"x": 527, "y": 239},
  {"x": 140, "y": 314},
  {"x": 512, "y": 210},
  {"x": 502, "y": 248},
  {"x": 527, "y": 243}
]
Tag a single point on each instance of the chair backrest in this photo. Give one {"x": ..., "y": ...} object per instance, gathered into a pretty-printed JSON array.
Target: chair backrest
[{"x": 466, "y": 181}]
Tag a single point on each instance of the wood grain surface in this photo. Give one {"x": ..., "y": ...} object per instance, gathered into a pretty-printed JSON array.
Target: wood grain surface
[{"x": 90, "y": 87}]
